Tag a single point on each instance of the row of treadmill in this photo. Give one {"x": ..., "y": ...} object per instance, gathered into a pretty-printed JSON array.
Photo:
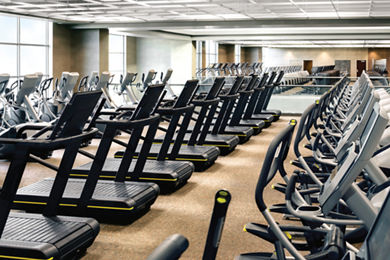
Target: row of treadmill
[
  {"x": 337, "y": 198},
  {"x": 57, "y": 218}
]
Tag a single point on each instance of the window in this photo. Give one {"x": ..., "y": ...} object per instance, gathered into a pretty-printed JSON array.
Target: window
[
  {"x": 32, "y": 31},
  {"x": 32, "y": 59},
  {"x": 237, "y": 53},
  {"x": 117, "y": 56},
  {"x": 211, "y": 52},
  {"x": 8, "y": 29},
  {"x": 9, "y": 58},
  {"x": 25, "y": 46},
  {"x": 198, "y": 55}
]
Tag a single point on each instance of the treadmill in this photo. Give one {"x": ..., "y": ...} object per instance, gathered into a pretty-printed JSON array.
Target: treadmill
[
  {"x": 237, "y": 116},
  {"x": 201, "y": 156},
  {"x": 228, "y": 96},
  {"x": 42, "y": 236},
  {"x": 169, "y": 175},
  {"x": 263, "y": 102},
  {"x": 221, "y": 125},
  {"x": 256, "y": 103},
  {"x": 250, "y": 108},
  {"x": 199, "y": 136},
  {"x": 106, "y": 200}
]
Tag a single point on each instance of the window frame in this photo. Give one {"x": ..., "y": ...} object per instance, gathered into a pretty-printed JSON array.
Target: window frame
[
  {"x": 47, "y": 45},
  {"x": 123, "y": 53}
]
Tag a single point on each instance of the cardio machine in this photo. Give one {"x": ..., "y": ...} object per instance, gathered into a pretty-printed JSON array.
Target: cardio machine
[
  {"x": 201, "y": 156},
  {"x": 47, "y": 235},
  {"x": 104, "y": 199}
]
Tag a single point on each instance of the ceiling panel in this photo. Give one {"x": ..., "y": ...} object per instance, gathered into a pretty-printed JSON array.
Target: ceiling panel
[
  {"x": 202, "y": 15},
  {"x": 98, "y": 10}
]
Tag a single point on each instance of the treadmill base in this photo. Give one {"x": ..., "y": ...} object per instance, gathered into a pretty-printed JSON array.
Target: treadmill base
[
  {"x": 168, "y": 175},
  {"x": 115, "y": 200},
  {"x": 33, "y": 236}
]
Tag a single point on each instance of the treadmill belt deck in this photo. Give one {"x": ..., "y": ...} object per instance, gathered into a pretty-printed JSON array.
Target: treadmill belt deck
[
  {"x": 242, "y": 132},
  {"x": 267, "y": 118},
  {"x": 33, "y": 236},
  {"x": 108, "y": 197},
  {"x": 225, "y": 143},
  {"x": 275, "y": 113},
  {"x": 255, "y": 123},
  {"x": 167, "y": 174},
  {"x": 200, "y": 156}
]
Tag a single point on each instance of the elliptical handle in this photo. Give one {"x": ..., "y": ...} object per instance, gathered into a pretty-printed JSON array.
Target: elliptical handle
[{"x": 221, "y": 204}]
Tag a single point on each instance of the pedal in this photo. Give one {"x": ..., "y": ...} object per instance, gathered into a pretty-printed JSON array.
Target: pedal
[
  {"x": 279, "y": 208},
  {"x": 279, "y": 187},
  {"x": 259, "y": 230},
  {"x": 296, "y": 163}
]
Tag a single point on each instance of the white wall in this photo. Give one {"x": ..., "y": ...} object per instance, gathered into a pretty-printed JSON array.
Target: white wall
[
  {"x": 320, "y": 56},
  {"x": 162, "y": 54}
]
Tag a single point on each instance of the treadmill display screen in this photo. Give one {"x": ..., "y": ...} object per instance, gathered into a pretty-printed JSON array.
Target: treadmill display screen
[{"x": 378, "y": 240}]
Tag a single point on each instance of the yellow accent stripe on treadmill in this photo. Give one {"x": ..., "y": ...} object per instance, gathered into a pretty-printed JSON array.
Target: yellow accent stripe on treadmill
[
  {"x": 188, "y": 159},
  {"x": 24, "y": 258},
  {"x": 156, "y": 179},
  {"x": 73, "y": 205},
  {"x": 116, "y": 208},
  {"x": 43, "y": 203},
  {"x": 30, "y": 202},
  {"x": 218, "y": 145},
  {"x": 78, "y": 175},
  {"x": 176, "y": 159},
  {"x": 68, "y": 205},
  {"x": 141, "y": 178},
  {"x": 235, "y": 134}
]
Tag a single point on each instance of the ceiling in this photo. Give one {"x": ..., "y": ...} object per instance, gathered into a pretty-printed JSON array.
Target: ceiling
[
  {"x": 166, "y": 10},
  {"x": 249, "y": 22}
]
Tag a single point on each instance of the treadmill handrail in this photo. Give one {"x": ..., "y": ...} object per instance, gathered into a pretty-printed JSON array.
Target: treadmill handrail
[
  {"x": 173, "y": 111},
  {"x": 206, "y": 102},
  {"x": 129, "y": 123},
  {"x": 229, "y": 96},
  {"x": 46, "y": 143}
]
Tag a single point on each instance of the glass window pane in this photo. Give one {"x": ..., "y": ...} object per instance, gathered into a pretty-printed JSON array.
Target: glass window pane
[
  {"x": 8, "y": 59},
  {"x": 115, "y": 62},
  {"x": 32, "y": 31},
  {"x": 115, "y": 43},
  {"x": 8, "y": 28},
  {"x": 32, "y": 59}
]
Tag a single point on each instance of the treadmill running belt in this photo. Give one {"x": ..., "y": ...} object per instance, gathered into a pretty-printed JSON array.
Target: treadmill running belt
[
  {"x": 121, "y": 196},
  {"x": 167, "y": 174},
  {"x": 38, "y": 230},
  {"x": 186, "y": 153},
  {"x": 208, "y": 153},
  {"x": 242, "y": 132},
  {"x": 225, "y": 143},
  {"x": 33, "y": 236},
  {"x": 201, "y": 156}
]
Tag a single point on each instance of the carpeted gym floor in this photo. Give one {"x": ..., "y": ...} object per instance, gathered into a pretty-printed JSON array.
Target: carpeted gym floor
[{"x": 188, "y": 210}]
